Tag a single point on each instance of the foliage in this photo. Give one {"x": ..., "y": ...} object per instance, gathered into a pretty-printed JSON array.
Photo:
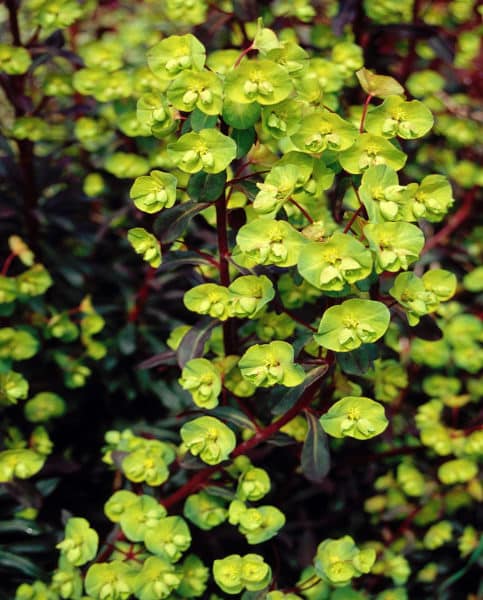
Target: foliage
[{"x": 300, "y": 328}]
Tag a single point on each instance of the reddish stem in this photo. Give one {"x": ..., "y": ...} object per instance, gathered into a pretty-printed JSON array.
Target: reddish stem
[
  {"x": 302, "y": 210},
  {"x": 242, "y": 54},
  {"x": 364, "y": 112},
  {"x": 13, "y": 21},
  {"x": 199, "y": 480},
  {"x": 141, "y": 296},
  {"x": 353, "y": 218},
  {"x": 7, "y": 263}
]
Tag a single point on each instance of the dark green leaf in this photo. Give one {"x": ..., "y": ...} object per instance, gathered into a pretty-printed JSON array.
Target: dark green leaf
[
  {"x": 181, "y": 259},
  {"x": 233, "y": 415},
  {"x": 47, "y": 486},
  {"x": 127, "y": 339},
  {"x": 199, "y": 120},
  {"x": 315, "y": 457},
  {"x": 291, "y": 397},
  {"x": 172, "y": 222},
  {"x": 20, "y": 526},
  {"x": 239, "y": 115},
  {"x": 163, "y": 358},
  {"x": 359, "y": 361},
  {"x": 475, "y": 555},
  {"x": 10, "y": 561},
  {"x": 220, "y": 492},
  {"x": 204, "y": 187},
  {"x": 244, "y": 139},
  {"x": 193, "y": 342}
]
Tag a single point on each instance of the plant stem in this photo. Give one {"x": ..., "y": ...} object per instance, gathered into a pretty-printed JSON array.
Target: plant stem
[
  {"x": 7, "y": 263},
  {"x": 364, "y": 112},
  {"x": 302, "y": 210},
  {"x": 242, "y": 54},
  {"x": 141, "y": 296},
  {"x": 353, "y": 218},
  {"x": 13, "y": 21},
  {"x": 229, "y": 333},
  {"x": 198, "y": 481}
]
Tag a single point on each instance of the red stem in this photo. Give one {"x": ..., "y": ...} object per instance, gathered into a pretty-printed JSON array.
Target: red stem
[
  {"x": 242, "y": 54},
  {"x": 353, "y": 218},
  {"x": 364, "y": 112},
  {"x": 141, "y": 296},
  {"x": 13, "y": 21},
  {"x": 229, "y": 333},
  {"x": 302, "y": 210},
  {"x": 7, "y": 263},
  {"x": 199, "y": 480}
]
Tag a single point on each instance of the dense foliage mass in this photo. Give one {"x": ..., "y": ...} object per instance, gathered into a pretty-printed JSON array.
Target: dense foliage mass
[{"x": 240, "y": 337}]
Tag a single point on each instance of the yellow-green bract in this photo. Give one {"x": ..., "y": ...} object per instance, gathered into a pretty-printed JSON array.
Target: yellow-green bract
[
  {"x": 347, "y": 326},
  {"x": 208, "y": 438},
  {"x": 354, "y": 416}
]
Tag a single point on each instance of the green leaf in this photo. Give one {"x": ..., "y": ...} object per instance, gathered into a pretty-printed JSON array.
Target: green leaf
[
  {"x": 172, "y": 222},
  {"x": 447, "y": 583},
  {"x": 315, "y": 457},
  {"x": 233, "y": 415},
  {"x": 205, "y": 187},
  {"x": 240, "y": 115},
  {"x": 199, "y": 120},
  {"x": 244, "y": 138},
  {"x": 20, "y": 526},
  {"x": 380, "y": 86},
  {"x": 359, "y": 361},
  {"x": 14, "y": 562},
  {"x": 291, "y": 397}
]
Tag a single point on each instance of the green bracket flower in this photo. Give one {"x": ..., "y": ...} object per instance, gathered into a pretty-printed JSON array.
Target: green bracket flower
[
  {"x": 209, "y": 299},
  {"x": 265, "y": 365},
  {"x": 207, "y": 149},
  {"x": 395, "y": 245},
  {"x": 269, "y": 242},
  {"x": 197, "y": 89},
  {"x": 261, "y": 80},
  {"x": 324, "y": 130},
  {"x": 339, "y": 560},
  {"x": 397, "y": 117},
  {"x": 369, "y": 151},
  {"x": 146, "y": 244},
  {"x": 209, "y": 438},
  {"x": 347, "y": 326},
  {"x": 110, "y": 581},
  {"x": 333, "y": 264},
  {"x": 249, "y": 294},
  {"x": 205, "y": 511},
  {"x": 80, "y": 543},
  {"x": 156, "y": 579},
  {"x": 354, "y": 416},
  {"x": 234, "y": 573},
  {"x": 168, "y": 539},
  {"x": 203, "y": 381},
  {"x": 153, "y": 192},
  {"x": 176, "y": 53}
]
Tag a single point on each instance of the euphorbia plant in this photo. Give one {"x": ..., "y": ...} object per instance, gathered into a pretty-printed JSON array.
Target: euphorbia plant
[{"x": 304, "y": 224}]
